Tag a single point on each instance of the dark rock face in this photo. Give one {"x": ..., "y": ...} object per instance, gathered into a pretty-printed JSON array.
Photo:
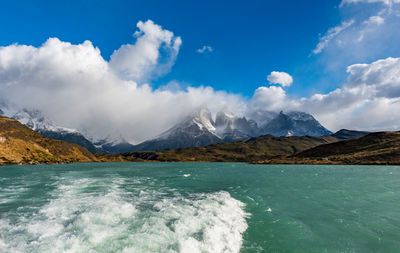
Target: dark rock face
[
  {"x": 117, "y": 148},
  {"x": 75, "y": 138},
  {"x": 195, "y": 131},
  {"x": 230, "y": 128},
  {"x": 199, "y": 129},
  {"x": 178, "y": 141},
  {"x": 294, "y": 124}
]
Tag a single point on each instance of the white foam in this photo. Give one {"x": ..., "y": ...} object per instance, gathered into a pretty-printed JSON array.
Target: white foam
[{"x": 113, "y": 220}]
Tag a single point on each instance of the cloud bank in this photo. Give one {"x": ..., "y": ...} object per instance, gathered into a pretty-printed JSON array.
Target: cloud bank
[
  {"x": 74, "y": 86},
  {"x": 369, "y": 99}
]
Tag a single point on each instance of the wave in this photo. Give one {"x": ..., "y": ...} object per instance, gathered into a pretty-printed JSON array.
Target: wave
[{"x": 101, "y": 215}]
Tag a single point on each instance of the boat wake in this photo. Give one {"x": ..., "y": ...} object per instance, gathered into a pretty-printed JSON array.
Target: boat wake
[{"x": 94, "y": 215}]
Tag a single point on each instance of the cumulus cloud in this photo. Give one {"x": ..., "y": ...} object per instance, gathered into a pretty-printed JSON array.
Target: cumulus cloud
[
  {"x": 142, "y": 60},
  {"x": 281, "y": 78},
  {"x": 369, "y": 99},
  {"x": 271, "y": 98},
  {"x": 205, "y": 49},
  {"x": 75, "y": 87}
]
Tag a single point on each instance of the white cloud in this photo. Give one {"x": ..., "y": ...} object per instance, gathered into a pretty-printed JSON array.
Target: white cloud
[
  {"x": 330, "y": 35},
  {"x": 375, "y": 20},
  {"x": 281, "y": 78},
  {"x": 369, "y": 99},
  {"x": 205, "y": 49},
  {"x": 141, "y": 61},
  {"x": 271, "y": 98},
  {"x": 386, "y": 2},
  {"x": 75, "y": 87},
  {"x": 373, "y": 35}
]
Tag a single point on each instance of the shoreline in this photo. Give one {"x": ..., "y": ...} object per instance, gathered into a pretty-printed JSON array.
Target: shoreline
[{"x": 266, "y": 162}]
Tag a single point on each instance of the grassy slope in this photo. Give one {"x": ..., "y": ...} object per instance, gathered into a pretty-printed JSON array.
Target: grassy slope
[
  {"x": 19, "y": 144},
  {"x": 374, "y": 148},
  {"x": 255, "y": 149}
]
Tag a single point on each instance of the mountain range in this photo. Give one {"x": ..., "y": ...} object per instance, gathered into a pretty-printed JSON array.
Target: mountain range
[
  {"x": 196, "y": 130},
  {"x": 199, "y": 129},
  {"x": 37, "y": 122},
  {"x": 21, "y": 145}
]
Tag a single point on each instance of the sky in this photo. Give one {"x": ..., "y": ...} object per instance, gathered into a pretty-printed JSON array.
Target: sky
[{"x": 154, "y": 61}]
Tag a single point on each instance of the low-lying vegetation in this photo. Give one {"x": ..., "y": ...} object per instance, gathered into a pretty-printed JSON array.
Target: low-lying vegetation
[{"x": 20, "y": 145}]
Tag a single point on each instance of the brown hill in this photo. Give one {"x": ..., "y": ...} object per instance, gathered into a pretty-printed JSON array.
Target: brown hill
[
  {"x": 19, "y": 144},
  {"x": 255, "y": 149},
  {"x": 374, "y": 148}
]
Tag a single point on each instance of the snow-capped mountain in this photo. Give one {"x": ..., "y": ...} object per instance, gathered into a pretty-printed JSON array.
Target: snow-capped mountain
[
  {"x": 199, "y": 129},
  {"x": 294, "y": 124},
  {"x": 230, "y": 128},
  {"x": 194, "y": 131},
  {"x": 36, "y": 121},
  {"x": 107, "y": 144},
  {"x": 261, "y": 117}
]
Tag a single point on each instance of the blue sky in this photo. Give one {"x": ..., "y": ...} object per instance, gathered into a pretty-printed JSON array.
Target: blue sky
[
  {"x": 249, "y": 38},
  {"x": 336, "y": 59}
]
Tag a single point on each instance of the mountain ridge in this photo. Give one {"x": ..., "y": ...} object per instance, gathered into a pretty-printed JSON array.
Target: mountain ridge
[
  {"x": 21, "y": 145},
  {"x": 373, "y": 148},
  {"x": 197, "y": 129}
]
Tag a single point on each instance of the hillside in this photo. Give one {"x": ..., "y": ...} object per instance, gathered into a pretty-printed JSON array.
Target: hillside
[
  {"x": 345, "y": 134},
  {"x": 21, "y": 145},
  {"x": 199, "y": 129},
  {"x": 374, "y": 148},
  {"x": 381, "y": 147},
  {"x": 255, "y": 149}
]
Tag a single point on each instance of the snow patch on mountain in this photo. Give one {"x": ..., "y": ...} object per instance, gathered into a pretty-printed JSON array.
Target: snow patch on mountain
[{"x": 197, "y": 129}]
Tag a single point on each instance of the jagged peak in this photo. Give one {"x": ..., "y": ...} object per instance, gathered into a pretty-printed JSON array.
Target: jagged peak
[
  {"x": 261, "y": 116},
  {"x": 297, "y": 115},
  {"x": 35, "y": 120},
  {"x": 224, "y": 118}
]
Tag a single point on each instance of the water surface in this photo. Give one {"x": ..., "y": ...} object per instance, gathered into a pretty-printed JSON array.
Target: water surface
[{"x": 199, "y": 207}]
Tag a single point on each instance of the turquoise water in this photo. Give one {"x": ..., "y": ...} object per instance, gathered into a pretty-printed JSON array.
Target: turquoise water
[{"x": 199, "y": 207}]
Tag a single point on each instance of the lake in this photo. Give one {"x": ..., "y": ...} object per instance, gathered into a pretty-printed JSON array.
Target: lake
[{"x": 199, "y": 207}]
